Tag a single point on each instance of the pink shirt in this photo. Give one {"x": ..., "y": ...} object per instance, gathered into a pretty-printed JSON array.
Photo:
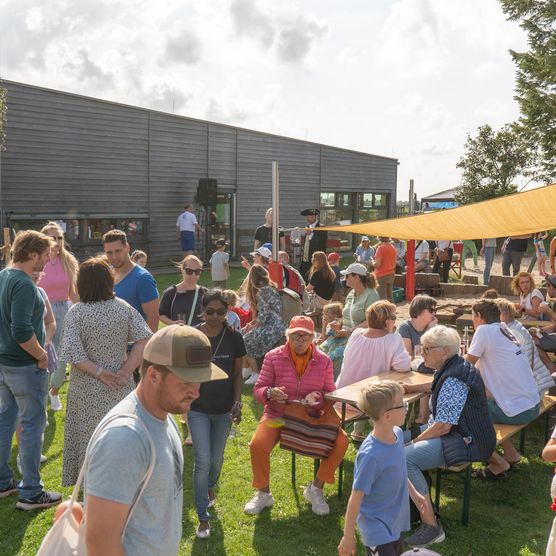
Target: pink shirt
[{"x": 55, "y": 281}]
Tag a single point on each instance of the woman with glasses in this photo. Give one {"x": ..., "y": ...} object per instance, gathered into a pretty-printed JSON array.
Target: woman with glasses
[
  {"x": 58, "y": 281},
  {"x": 373, "y": 350},
  {"x": 218, "y": 404},
  {"x": 294, "y": 371},
  {"x": 181, "y": 303},
  {"x": 459, "y": 429}
]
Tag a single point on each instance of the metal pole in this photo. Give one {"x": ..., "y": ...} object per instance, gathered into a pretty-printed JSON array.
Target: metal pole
[
  {"x": 275, "y": 210},
  {"x": 411, "y": 198}
]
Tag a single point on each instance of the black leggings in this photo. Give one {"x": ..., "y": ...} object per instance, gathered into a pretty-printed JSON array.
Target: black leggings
[
  {"x": 445, "y": 266},
  {"x": 393, "y": 548}
]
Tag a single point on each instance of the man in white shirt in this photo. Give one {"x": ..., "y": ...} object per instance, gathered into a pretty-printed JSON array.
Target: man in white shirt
[
  {"x": 505, "y": 370},
  {"x": 421, "y": 255},
  {"x": 186, "y": 226}
]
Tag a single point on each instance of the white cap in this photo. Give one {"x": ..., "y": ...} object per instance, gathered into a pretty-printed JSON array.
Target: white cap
[
  {"x": 355, "y": 268},
  {"x": 263, "y": 251}
]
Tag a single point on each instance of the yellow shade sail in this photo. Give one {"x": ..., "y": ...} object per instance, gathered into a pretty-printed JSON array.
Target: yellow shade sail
[{"x": 513, "y": 215}]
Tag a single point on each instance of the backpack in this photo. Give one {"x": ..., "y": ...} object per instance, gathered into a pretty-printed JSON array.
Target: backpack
[
  {"x": 292, "y": 280},
  {"x": 291, "y": 304}
]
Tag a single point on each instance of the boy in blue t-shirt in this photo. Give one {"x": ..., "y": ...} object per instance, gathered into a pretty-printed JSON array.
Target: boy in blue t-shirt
[{"x": 379, "y": 502}]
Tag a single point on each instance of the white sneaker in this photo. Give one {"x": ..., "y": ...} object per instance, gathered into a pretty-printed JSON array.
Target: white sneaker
[
  {"x": 55, "y": 403},
  {"x": 315, "y": 496},
  {"x": 258, "y": 503},
  {"x": 246, "y": 372},
  {"x": 252, "y": 379}
]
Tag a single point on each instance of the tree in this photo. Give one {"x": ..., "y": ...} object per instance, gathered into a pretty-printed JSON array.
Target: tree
[
  {"x": 494, "y": 164},
  {"x": 3, "y": 111},
  {"x": 536, "y": 76}
]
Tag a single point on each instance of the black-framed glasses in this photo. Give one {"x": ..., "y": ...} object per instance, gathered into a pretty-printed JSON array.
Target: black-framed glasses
[
  {"x": 405, "y": 407},
  {"x": 191, "y": 271},
  {"x": 300, "y": 337},
  {"x": 427, "y": 349},
  {"x": 211, "y": 311}
]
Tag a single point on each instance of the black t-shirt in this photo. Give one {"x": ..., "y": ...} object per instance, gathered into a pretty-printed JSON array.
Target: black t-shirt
[
  {"x": 172, "y": 303},
  {"x": 264, "y": 234},
  {"x": 217, "y": 396},
  {"x": 323, "y": 285},
  {"x": 519, "y": 245}
]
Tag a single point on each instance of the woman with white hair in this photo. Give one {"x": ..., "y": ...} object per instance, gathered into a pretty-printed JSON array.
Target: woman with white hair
[{"x": 459, "y": 429}]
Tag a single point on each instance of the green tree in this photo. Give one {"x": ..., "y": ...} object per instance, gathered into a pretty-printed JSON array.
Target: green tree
[
  {"x": 536, "y": 76},
  {"x": 494, "y": 164},
  {"x": 3, "y": 111}
]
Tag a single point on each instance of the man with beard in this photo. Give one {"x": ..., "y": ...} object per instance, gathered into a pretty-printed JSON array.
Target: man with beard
[
  {"x": 176, "y": 360},
  {"x": 23, "y": 370}
]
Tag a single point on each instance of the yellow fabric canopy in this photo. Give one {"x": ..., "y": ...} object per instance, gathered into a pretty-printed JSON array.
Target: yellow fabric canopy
[{"x": 513, "y": 215}]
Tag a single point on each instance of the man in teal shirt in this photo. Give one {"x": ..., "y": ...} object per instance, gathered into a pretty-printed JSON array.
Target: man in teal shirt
[{"x": 23, "y": 375}]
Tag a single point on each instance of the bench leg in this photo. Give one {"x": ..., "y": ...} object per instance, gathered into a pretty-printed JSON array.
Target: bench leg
[
  {"x": 466, "y": 496},
  {"x": 437, "y": 489},
  {"x": 522, "y": 442},
  {"x": 316, "y": 465},
  {"x": 546, "y": 426},
  {"x": 341, "y": 468},
  {"x": 293, "y": 468}
]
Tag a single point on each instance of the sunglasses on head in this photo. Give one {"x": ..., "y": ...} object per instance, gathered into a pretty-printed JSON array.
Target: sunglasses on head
[
  {"x": 219, "y": 312},
  {"x": 191, "y": 271}
]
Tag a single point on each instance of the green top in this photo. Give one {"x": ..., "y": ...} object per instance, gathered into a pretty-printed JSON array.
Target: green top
[
  {"x": 21, "y": 316},
  {"x": 356, "y": 305}
]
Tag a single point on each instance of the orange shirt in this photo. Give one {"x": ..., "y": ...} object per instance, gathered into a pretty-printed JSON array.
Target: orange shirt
[{"x": 388, "y": 255}]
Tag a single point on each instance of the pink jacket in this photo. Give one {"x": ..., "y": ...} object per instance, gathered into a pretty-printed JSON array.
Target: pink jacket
[{"x": 278, "y": 370}]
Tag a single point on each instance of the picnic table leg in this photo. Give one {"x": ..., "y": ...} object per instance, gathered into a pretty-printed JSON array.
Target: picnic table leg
[
  {"x": 316, "y": 465},
  {"x": 546, "y": 426},
  {"x": 293, "y": 468},
  {"x": 466, "y": 496},
  {"x": 437, "y": 489},
  {"x": 522, "y": 441},
  {"x": 341, "y": 469}
]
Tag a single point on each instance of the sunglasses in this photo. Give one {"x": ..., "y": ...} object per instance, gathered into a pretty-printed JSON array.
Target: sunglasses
[
  {"x": 191, "y": 271},
  {"x": 219, "y": 312}
]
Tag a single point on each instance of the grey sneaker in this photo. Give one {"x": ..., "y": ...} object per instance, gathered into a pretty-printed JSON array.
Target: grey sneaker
[
  {"x": 425, "y": 535},
  {"x": 9, "y": 490},
  {"x": 44, "y": 499}
]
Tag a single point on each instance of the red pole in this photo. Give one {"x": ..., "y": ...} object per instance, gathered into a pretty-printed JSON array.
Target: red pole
[{"x": 410, "y": 270}]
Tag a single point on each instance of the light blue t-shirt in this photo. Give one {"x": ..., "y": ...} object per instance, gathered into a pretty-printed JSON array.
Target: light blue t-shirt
[
  {"x": 136, "y": 288},
  {"x": 381, "y": 473},
  {"x": 119, "y": 460},
  {"x": 365, "y": 254}
]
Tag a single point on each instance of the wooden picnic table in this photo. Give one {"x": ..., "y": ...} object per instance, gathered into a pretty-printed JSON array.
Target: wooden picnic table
[
  {"x": 349, "y": 395},
  {"x": 467, "y": 320}
]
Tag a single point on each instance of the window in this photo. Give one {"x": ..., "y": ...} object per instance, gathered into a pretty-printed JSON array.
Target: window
[
  {"x": 97, "y": 227},
  {"x": 328, "y": 199}
]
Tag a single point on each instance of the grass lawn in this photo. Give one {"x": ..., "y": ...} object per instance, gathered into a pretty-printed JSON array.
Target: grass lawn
[{"x": 508, "y": 517}]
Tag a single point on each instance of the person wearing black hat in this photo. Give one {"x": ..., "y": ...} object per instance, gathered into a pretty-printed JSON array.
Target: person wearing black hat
[{"x": 313, "y": 241}]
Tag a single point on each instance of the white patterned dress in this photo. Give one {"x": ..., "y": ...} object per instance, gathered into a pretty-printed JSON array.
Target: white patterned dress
[{"x": 98, "y": 332}]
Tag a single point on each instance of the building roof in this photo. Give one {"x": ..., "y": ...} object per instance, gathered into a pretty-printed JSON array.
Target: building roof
[{"x": 446, "y": 195}]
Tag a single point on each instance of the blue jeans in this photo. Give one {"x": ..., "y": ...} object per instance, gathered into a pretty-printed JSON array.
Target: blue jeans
[
  {"x": 60, "y": 309},
  {"x": 423, "y": 455},
  {"x": 489, "y": 259},
  {"x": 209, "y": 434},
  {"x": 23, "y": 393}
]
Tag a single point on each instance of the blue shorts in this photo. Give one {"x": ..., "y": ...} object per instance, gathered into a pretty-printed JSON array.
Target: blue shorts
[
  {"x": 187, "y": 241},
  {"x": 498, "y": 416}
]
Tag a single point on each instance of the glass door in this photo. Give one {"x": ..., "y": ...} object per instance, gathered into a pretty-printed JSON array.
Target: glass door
[{"x": 221, "y": 222}]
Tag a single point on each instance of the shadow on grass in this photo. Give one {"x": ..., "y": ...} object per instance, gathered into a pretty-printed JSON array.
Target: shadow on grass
[{"x": 13, "y": 526}]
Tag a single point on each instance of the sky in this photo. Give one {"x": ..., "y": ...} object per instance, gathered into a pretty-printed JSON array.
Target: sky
[{"x": 407, "y": 79}]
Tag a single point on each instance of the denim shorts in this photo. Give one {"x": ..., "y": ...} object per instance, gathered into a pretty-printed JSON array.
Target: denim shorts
[{"x": 498, "y": 416}]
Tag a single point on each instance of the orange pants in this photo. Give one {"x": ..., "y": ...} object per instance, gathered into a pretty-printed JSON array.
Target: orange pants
[{"x": 264, "y": 440}]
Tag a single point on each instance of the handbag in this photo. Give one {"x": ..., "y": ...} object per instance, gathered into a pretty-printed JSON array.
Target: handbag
[
  {"x": 67, "y": 537},
  {"x": 443, "y": 255},
  {"x": 309, "y": 436}
]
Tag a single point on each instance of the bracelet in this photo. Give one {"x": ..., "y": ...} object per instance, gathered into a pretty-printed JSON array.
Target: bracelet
[
  {"x": 268, "y": 393},
  {"x": 99, "y": 371}
]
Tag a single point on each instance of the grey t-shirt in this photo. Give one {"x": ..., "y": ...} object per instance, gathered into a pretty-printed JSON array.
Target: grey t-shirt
[
  {"x": 406, "y": 330},
  {"x": 119, "y": 460}
]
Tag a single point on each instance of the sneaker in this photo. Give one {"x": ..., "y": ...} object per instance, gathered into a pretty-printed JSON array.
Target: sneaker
[
  {"x": 315, "y": 496},
  {"x": 9, "y": 490},
  {"x": 246, "y": 372},
  {"x": 202, "y": 533},
  {"x": 55, "y": 403},
  {"x": 252, "y": 379},
  {"x": 425, "y": 535},
  {"x": 212, "y": 499},
  {"x": 44, "y": 459},
  {"x": 42, "y": 500},
  {"x": 258, "y": 503}
]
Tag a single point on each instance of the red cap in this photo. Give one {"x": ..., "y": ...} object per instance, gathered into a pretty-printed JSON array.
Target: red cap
[
  {"x": 333, "y": 257},
  {"x": 302, "y": 323}
]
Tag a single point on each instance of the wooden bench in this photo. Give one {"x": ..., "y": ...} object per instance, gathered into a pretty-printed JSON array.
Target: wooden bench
[{"x": 503, "y": 432}]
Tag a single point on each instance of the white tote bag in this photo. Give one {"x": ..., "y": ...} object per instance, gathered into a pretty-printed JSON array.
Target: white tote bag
[{"x": 67, "y": 537}]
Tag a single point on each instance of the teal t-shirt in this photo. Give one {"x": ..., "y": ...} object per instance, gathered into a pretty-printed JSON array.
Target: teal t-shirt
[
  {"x": 353, "y": 313},
  {"x": 21, "y": 316}
]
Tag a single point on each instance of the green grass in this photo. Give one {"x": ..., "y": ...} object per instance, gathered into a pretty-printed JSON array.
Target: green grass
[{"x": 508, "y": 518}]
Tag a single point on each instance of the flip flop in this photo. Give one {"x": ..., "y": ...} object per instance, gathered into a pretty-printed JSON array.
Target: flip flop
[{"x": 486, "y": 474}]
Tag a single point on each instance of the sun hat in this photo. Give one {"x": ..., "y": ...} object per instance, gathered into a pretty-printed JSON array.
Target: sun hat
[
  {"x": 301, "y": 323},
  {"x": 185, "y": 351},
  {"x": 263, "y": 252},
  {"x": 355, "y": 268},
  {"x": 333, "y": 257}
]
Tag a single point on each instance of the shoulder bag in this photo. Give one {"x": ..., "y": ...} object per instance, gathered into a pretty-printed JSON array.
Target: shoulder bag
[{"x": 67, "y": 537}]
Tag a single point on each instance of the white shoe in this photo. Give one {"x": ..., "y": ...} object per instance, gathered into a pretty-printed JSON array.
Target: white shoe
[
  {"x": 315, "y": 496},
  {"x": 55, "y": 403},
  {"x": 252, "y": 379},
  {"x": 258, "y": 503},
  {"x": 246, "y": 372},
  {"x": 44, "y": 459},
  {"x": 202, "y": 533}
]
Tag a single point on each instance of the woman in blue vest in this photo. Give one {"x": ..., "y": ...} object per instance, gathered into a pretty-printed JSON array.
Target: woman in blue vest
[{"x": 459, "y": 429}]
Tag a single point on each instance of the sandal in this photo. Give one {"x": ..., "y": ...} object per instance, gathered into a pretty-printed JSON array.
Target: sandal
[
  {"x": 513, "y": 464},
  {"x": 486, "y": 474}
]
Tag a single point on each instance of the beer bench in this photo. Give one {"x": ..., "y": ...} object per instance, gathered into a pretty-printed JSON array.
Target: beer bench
[{"x": 503, "y": 432}]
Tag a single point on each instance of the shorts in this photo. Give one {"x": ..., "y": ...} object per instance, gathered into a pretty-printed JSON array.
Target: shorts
[
  {"x": 393, "y": 548},
  {"x": 498, "y": 416},
  {"x": 548, "y": 342},
  {"x": 187, "y": 241}
]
